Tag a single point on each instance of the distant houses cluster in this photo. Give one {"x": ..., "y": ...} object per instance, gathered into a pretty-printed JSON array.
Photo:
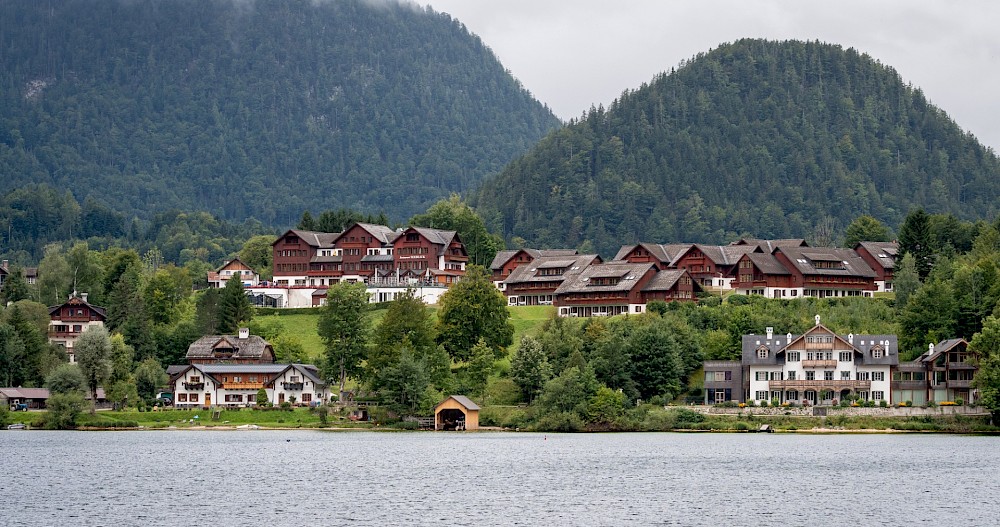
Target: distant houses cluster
[{"x": 585, "y": 285}]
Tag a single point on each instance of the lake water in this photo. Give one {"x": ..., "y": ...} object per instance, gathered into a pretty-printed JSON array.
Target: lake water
[{"x": 305, "y": 478}]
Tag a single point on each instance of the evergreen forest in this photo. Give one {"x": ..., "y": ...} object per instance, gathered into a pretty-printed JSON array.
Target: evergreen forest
[
  {"x": 762, "y": 138},
  {"x": 253, "y": 109}
]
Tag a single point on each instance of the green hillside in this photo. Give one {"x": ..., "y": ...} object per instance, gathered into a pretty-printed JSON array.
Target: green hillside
[
  {"x": 773, "y": 139},
  {"x": 251, "y": 108}
]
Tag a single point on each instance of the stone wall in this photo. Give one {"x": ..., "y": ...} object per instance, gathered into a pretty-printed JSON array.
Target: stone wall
[{"x": 911, "y": 411}]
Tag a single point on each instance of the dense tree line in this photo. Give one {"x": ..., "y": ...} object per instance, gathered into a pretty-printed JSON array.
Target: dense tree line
[
  {"x": 772, "y": 139},
  {"x": 253, "y": 108}
]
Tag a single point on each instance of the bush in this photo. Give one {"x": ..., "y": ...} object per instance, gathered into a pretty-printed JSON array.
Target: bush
[
  {"x": 286, "y": 406},
  {"x": 407, "y": 425},
  {"x": 560, "y": 422},
  {"x": 108, "y": 423},
  {"x": 63, "y": 410},
  {"x": 4, "y": 416},
  {"x": 959, "y": 401},
  {"x": 883, "y": 403}
]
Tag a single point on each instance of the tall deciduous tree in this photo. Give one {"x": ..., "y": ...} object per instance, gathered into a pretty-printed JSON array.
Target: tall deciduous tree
[
  {"x": 406, "y": 324},
  {"x": 67, "y": 378},
  {"x": 865, "y": 229},
  {"x": 344, "y": 330},
  {"x": 906, "y": 280},
  {"x": 149, "y": 378},
  {"x": 258, "y": 254},
  {"x": 15, "y": 287},
  {"x": 454, "y": 214},
  {"x": 404, "y": 383},
  {"x": 93, "y": 354},
  {"x": 473, "y": 309},
  {"x": 234, "y": 307}
]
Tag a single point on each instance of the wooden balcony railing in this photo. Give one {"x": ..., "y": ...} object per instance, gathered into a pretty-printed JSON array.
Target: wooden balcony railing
[
  {"x": 819, "y": 364},
  {"x": 194, "y": 386}
]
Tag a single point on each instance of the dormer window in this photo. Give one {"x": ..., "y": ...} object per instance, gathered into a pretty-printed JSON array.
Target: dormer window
[
  {"x": 878, "y": 352},
  {"x": 762, "y": 352}
]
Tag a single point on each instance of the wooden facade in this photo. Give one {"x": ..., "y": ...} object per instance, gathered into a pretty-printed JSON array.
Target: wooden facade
[{"x": 69, "y": 320}]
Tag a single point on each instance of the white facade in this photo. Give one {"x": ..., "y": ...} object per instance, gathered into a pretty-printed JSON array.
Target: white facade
[
  {"x": 236, "y": 385},
  {"x": 797, "y": 292},
  {"x": 819, "y": 367}
]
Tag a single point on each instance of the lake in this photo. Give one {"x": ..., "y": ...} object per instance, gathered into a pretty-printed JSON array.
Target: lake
[{"x": 279, "y": 478}]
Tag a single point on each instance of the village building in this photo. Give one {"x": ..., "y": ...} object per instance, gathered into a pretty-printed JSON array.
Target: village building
[
  {"x": 819, "y": 367},
  {"x": 620, "y": 287},
  {"x": 724, "y": 381},
  {"x": 536, "y": 282},
  {"x": 30, "y": 273},
  {"x": 712, "y": 265},
  {"x": 243, "y": 348},
  {"x": 300, "y": 256},
  {"x": 943, "y": 373},
  {"x": 364, "y": 249},
  {"x": 236, "y": 385},
  {"x": 792, "y": 272},
  {"x": 437, "y": 254},
  {"x": 506, "y": 261},
  {"x": 235, "y": 267},
  {"x": 881, "y": 257},
  {"x": 70, "y": 319}
]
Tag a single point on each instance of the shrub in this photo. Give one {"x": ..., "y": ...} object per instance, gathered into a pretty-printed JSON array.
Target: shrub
[
  {"x": 764, "y": 403},
  {"x": 63, "y": 410},
  {"x": 883, "y": 403},
  {"x": 407, "y": 425},
  {"x": 959, "y": 401},
  {"x": 908, "y": 403},
  {"x": 560, "y": 422},
  {"x": 930, "y": 404},
  {"x": 286, "y": 406}
]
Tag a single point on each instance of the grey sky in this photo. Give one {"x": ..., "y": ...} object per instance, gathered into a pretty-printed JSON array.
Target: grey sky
[{"x": 571, "y": 54}]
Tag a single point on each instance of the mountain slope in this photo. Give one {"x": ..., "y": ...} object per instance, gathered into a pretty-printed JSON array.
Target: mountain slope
[
  {"x": 773, "y": 139},
  {"x": 250, "y": 108}
]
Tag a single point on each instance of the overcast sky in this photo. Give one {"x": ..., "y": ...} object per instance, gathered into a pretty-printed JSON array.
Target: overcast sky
[{"x": 571, "y": 54}]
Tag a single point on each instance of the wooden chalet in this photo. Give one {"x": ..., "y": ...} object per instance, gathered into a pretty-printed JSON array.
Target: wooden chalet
[
  {"x": 620, "y": 287},
  {"x": 881, "y": 257},
  {"x": 950, "y": 367},
  {"x": 791, "y": 272},
  {"x": 234, "y": 267},
  {"x": 769, "y": 246},
  {"x": 712, "y": 265},
  {"x": 243, "y": 348},
  {"x": 365, "y": 248},
  {"x": 70, "y": 319},
  {"x": 536, "y": 282},
  {"x": 423, "y": 249},
  {"x": 304, "y": 258},
  {"x": 506, "y": 261}
]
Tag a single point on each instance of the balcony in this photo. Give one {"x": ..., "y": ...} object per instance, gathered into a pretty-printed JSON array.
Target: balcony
[
  {"x": 962, "y": 384},
  {"x": 820, "y": 385},
  {"x": 961, "y": 366},
  {"x": 292, "y": 386},
  {"x": 814, "y": 364},
  {"x": 242, "y": 385},
  {"x": 194, "y": 386}
]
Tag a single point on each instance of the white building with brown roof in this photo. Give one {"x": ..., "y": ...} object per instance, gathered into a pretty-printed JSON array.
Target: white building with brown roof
[
  {"x": 243, "y": 348},
  {"x": 70, "y": 319}
]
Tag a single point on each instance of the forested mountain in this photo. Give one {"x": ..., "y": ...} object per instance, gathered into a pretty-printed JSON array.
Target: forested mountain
[
  {"x": 773, "y": 139},
  {"x": 248, "y": 108}
]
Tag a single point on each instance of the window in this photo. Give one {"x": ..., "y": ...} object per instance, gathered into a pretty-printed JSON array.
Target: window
[
  {"x": 762, "y": 352},
  {"x": 294, "y": 379},
  {"x": 775, "y": 375},
  {"x": 864, "y": 376},
  {"x": 845, "y": 356},
  {"x": 878, "y": 375},
  {"x": 878, "y": 396},
  {"x": 845, "y": 375},
  {"x": 193, "y": 379},
  {"x": 864, "y": 395},
  {"x": 193, "y": 398},
  {"x": 793, "y": 356},
  {"x": 828, "y": 375},
  {"x": 810, "y": 375},
  {"x": 234, "y": 398},
  {"x": 761, "y": 395},
  {"x": 720, "y": 376},
  {"x": 237, "y": 378},
  {"x": 791, "y": 377},
  {"x": 761, "y": 376},
  {"x": 810, "y": 355},
  {"x": 877, "y": 352},
  {"x": 306, "y": 397},
  {"x": 253, "y": 378},
  {"x": 182, "y": 397}
]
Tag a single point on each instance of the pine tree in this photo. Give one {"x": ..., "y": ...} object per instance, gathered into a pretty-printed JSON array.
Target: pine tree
[{"x": 234, "y": 307}]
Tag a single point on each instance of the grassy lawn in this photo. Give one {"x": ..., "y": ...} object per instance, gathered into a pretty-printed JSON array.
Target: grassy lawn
[
  {"x": 297, "y": 418},
  {"x": 527, "y": 320}
]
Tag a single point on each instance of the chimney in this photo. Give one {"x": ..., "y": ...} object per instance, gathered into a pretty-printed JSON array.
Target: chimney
[
  {"x": 5, "y": 262},
  {"x": 770, "y": 332},
  {"x": 789, "y": 337},
  {"x": 83, "y": 296},
  {"x": 850, "y": 338},
  {"x": 817, "y": 320},
  {"x": 930, "y": 349},
  {"x": 244, "y": 333}
]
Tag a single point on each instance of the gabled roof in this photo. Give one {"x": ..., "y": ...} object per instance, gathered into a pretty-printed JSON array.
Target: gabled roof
[
  {"x": 313, "y": 238},
  {"x": 861, "y": 344},
  {"x": 628, "y": 273},
  {"x": 885, "y": 253},
  {"x": 252, "y": 347},
  {"x": 502, "y": 257},
  {"x": 725, "y": 255},
  {"x": 383, "y": 234},
  {"x": 231, "y": 262},
  {"x": 768, "y": 264},
  {"x": 942, "y": 347},
  {"x": 462, "y": 400},
  {"x": 804, "y": 258},
  {"x": 665, "y": 280},
  {"x": 668, "y": 253},
  {"x": 529, "y": 271},
  {"x": 77, "y": 301},
  {"x": 768, "y": 246}
]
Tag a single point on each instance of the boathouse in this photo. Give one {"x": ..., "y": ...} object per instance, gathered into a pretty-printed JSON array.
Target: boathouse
[{"x": 456, "y": 412}]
